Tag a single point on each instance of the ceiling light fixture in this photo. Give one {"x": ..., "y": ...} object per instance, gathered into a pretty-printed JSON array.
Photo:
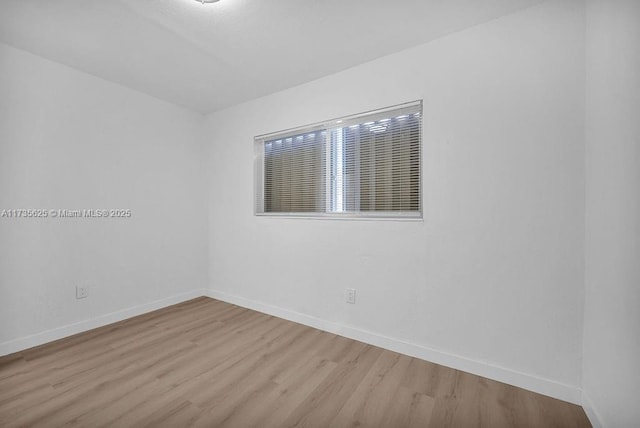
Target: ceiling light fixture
[{"x": 207, "y": 1}]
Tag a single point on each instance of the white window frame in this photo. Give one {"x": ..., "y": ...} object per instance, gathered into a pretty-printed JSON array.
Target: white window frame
[{"x": 330, "y": 200}]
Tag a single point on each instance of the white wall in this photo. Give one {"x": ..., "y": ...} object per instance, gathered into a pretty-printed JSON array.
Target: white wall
[
  {"x": 611, "y": 374},
  {"x": 492, "y": 280},
  {"x": 70, "y": 140}
]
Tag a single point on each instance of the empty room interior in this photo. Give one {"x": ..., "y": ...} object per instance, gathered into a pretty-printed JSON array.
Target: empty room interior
[{"x": 299, "y": 213}]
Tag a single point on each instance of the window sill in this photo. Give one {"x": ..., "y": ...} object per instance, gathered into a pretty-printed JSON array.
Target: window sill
[{"x": 349, "y": 217}]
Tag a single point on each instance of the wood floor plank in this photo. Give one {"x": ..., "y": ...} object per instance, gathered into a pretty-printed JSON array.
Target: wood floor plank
[
  {"x": 206, "y": 363},
  {"x": 294, "y": 389},
  {"x": 408, "y": 409},
  {"x": 320, "y": 408},
  {"x": 375, "y": 392}
]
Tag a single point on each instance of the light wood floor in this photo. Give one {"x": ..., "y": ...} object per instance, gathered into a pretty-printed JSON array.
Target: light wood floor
[{"x": 206, "y": 363}]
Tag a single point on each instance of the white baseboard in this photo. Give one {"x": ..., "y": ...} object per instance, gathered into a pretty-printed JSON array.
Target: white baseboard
[
  {"x": 590, "y": 410},
  {"x": 27, "y": 342},
  {"x": 530, "y": 382}
]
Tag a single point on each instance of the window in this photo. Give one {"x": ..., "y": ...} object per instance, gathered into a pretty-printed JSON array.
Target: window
[{"x": 367, "y": 165}]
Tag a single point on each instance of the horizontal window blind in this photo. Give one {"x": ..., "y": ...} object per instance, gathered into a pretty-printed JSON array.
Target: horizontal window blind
[
  {"x": 366, "y": 165},
  {"x": 294, "y": 173}
]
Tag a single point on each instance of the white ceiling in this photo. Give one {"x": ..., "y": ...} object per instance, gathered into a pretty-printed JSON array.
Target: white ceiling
[{"x": 207, "y": 57}]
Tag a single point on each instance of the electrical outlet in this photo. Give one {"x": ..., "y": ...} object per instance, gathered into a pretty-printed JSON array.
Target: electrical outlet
[
  {"x": 351, "y": 296},
  {"x": 82, "y": 292}
]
